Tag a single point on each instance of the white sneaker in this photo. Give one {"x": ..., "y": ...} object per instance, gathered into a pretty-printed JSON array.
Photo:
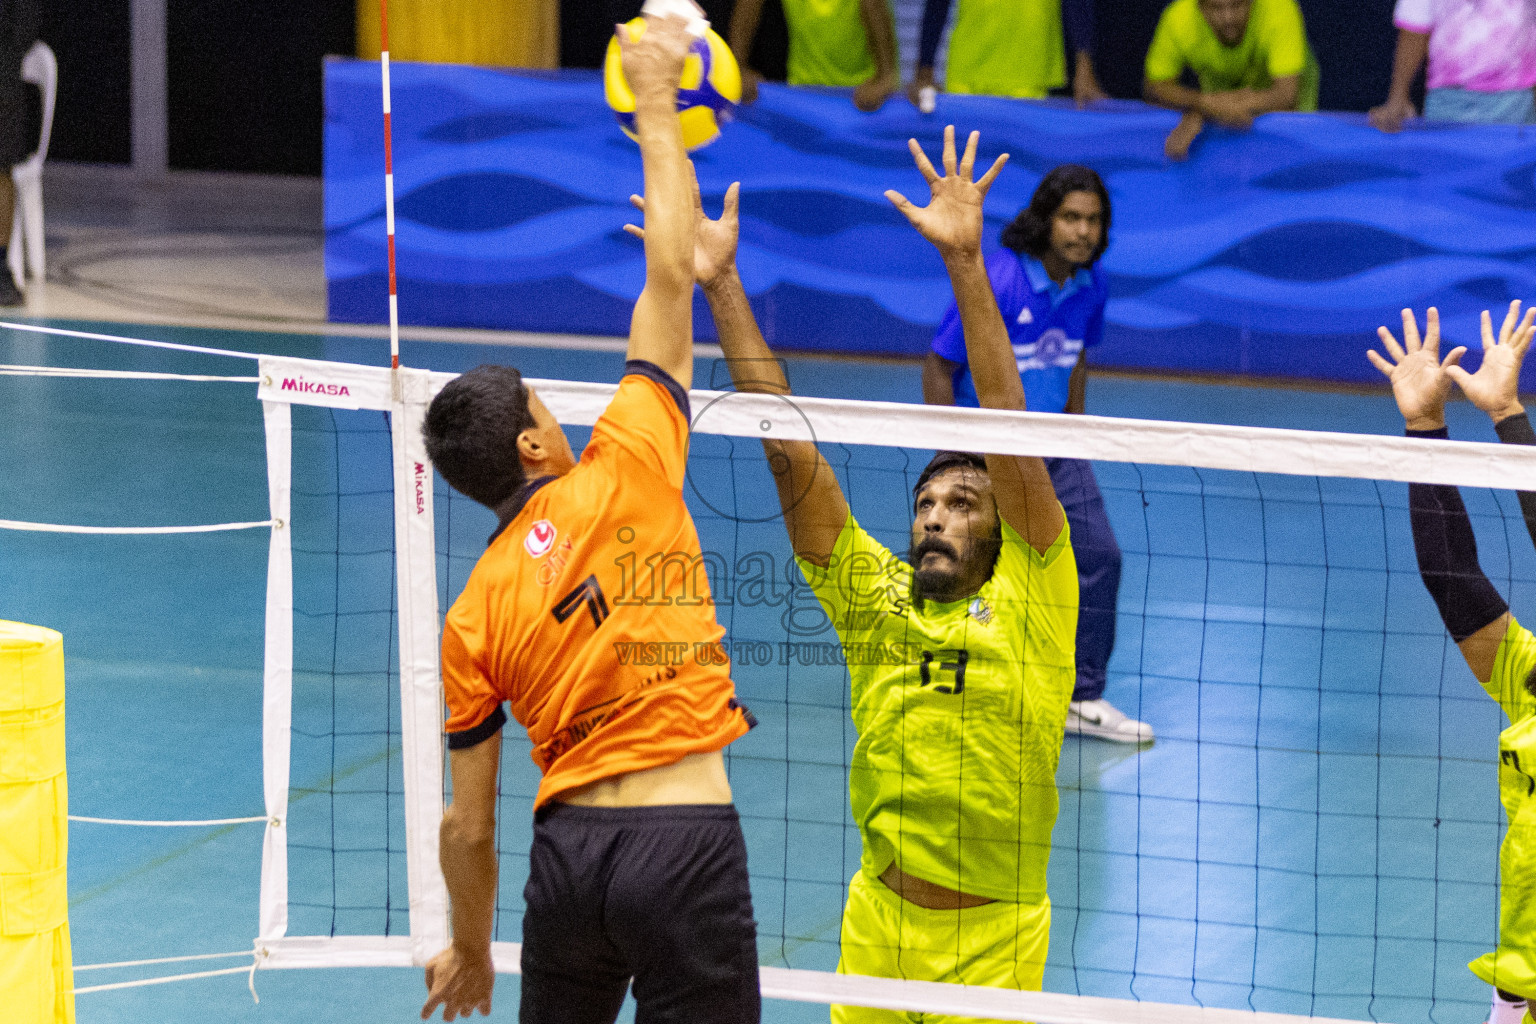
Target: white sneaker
[{"x": 1102, "y": 719}]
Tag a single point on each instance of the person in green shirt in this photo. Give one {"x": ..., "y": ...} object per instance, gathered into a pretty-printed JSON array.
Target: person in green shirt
[
  {"x": 961, "y": 657},
  {"x": 1500, "y": 652},
  {"x": 831, "y": 42},
  {"x": 1251, "y": 57},
  {"x": 1008, "y": 48}
]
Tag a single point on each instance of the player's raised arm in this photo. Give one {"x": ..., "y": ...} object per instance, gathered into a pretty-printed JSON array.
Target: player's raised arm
[
  {"x": 813, "y": 503},
  {"x": 952, "y": 221},
  {"x": 1495, "y": 388},
  {"x": 661, "y": 331},
  {"x": 1472, "y": 610}
]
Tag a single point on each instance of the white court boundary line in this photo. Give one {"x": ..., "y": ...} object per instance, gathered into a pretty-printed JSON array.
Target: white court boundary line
[
  {"x": 163, "y": 960},
  {"x": 142, "y": 982},
  {"x": 26, "y": 370},
  {"x": 166, "y": 824},
  {"x": 12, "y": 524}
]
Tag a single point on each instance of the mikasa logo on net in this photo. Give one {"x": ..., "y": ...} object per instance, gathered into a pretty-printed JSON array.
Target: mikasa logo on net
[{"x": 313, "y": 387}]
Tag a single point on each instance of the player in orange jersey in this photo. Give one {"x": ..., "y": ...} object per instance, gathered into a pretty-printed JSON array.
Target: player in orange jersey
[{"x": 638, "y": 869}]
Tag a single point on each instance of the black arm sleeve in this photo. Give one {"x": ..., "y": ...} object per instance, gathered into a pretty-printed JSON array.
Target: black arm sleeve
[
  {"x": 935, "y": 14},
  {"x": 1517, "y": 430},
  {"x": 1077, "y": 19},
  {"x": 1447, "y": 553}
]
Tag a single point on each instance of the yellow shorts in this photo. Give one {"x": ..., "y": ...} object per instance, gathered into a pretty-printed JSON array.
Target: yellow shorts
[{"x": 1002, "y": 945}]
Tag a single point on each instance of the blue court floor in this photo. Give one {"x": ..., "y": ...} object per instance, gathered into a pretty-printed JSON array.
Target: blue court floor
[{"x": 1314, "y": 832}]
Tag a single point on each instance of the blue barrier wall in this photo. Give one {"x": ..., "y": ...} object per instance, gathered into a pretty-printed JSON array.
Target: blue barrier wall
[{"x": 1272, "y": 252}]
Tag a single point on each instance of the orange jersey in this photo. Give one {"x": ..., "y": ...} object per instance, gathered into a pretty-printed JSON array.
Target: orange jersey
[{"x": 590, "y": 611}]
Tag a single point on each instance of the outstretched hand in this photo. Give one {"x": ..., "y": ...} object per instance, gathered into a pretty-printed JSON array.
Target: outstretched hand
[
  {"x": 952, "y": 220},
  {"x": 459, "y": 984},
  {"x": 1421, "y": 381},
  {"x": 714, "y": 241},
  {"x": 1495, "y": 387},
  {"x": 653, "y": 58}
]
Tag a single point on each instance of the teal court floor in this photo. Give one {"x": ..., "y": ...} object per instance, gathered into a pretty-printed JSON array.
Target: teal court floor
[{"x": 1314, "y": 831}]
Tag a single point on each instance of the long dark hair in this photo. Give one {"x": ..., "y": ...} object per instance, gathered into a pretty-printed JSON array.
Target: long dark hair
[{"x": 1030, "y": 231}]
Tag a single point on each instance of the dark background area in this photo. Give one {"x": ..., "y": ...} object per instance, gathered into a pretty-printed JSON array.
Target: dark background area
[{"x": 244, "y": 80}]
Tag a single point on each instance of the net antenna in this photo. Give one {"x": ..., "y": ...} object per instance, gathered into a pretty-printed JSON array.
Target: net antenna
[{"x": 389, "y": 202}]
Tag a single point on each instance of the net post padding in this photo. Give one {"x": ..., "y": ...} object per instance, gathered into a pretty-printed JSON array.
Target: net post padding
[
  {"x": 421, "y": 699},
  {"x": 277, "y": 673}
]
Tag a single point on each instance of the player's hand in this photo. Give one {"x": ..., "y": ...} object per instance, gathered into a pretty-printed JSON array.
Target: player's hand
[
  {"x": 1086, "y": 90},
  {"x": 714, "y": 241},
  {"x": 1389, "y": 117},
  {"x": 751, "y": 78},
  {"x": 653, "y": 64},
  {"x": 460, "y": 983},
  {"x": 1176, "y": 146},
  {"x": 1232, "y": 109},
  {"x": 1495, "y": 387},
  {"x": 952, "y": 220},
  {"x": 1420, "y": 381}
]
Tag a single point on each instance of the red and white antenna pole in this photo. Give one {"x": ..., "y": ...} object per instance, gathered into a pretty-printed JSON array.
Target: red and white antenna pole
[{"x": 389, "y": 195}]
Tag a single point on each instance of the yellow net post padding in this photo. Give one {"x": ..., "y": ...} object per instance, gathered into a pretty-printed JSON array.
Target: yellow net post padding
[{"x": 36, "y": 976}]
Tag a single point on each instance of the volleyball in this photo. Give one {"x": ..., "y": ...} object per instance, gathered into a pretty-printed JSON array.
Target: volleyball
[{"x": 706, "y": 96}]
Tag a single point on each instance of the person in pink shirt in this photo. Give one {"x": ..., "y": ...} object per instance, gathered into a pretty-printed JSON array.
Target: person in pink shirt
[{"x": 1482, "y": 61}]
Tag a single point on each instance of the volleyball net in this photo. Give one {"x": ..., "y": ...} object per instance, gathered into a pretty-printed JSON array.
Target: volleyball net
[{"x": 1314, "y": 833}]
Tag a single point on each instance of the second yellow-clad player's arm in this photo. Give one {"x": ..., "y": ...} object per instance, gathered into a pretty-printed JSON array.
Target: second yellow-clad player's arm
[
  {"x": 952, "y": 221},
  {"x": 661, "y": 330},
  {"x": 815, "y": 510}
]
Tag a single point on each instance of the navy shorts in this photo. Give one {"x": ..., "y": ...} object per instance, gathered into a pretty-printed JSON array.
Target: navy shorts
[{"x": 654, "y": 894}]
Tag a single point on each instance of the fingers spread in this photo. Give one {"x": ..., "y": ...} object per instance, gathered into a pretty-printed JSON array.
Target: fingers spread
[
  {"x": 986, "y": 179},
  {"x": 639, "y": 233},
  {"x": 1432, "y": 330},
  {"x": 1489, "y": 341},
  {"x": 1410, "y": 331},
  {"x": 1453, "y": 357},
  {"x": 732, "y": 201},
  {"x": 1522, "y": 339},
  {"x": 901, "y": 202},
  {"x": 968, "y": 161},
  {"x": 1510, "y": 320},
  {"x": 1390, "y": 344},
  {"x": 924, "y": 165},
  {"x": 638, "y": 202},
  {"x": 1378, "y": 362},
  {"x": 949, "y": 150}
]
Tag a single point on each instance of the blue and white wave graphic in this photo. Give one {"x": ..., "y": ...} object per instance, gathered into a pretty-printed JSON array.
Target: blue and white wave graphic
[{"x": 1272, "y": 252}]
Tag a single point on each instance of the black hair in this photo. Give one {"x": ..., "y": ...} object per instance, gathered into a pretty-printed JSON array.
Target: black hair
[
  {"x": 1030, "y": 231},
  {"x": 1530, "y": 682},
  {"x": 471, "y": 432},
  {"x": 943, "y": 461}
]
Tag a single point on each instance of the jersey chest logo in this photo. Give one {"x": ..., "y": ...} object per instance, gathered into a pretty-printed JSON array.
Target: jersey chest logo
[
  {"x": 1025, "y": 316},
  {"x": 541, "y": 537},
  {"x": 980, "y": 611}
]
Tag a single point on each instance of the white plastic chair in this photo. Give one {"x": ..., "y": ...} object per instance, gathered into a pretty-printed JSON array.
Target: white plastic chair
[{"x": 41, "y": 68}]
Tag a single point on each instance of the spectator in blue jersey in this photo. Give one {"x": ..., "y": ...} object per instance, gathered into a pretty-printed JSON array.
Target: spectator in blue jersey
[{"x": 1052, "y": 292}]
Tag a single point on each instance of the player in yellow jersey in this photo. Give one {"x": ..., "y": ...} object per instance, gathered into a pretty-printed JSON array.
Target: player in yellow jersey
[
  {"x": 1500, "y": 652},
  {"x": 961, "y": 659},
  {"x": 638, "y": 869}
]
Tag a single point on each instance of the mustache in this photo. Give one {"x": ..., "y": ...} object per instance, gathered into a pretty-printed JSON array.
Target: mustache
[{"x": 933, "y": 544}]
